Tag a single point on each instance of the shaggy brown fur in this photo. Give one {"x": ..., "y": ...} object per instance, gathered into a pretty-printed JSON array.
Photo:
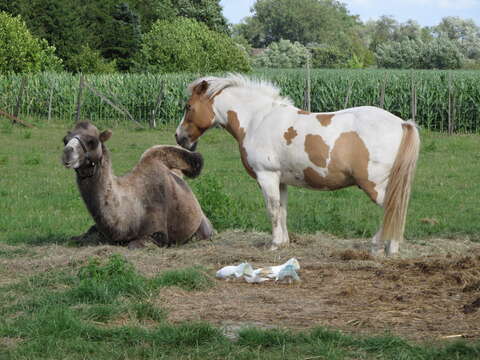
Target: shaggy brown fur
[{"x": 150, "y": 201}]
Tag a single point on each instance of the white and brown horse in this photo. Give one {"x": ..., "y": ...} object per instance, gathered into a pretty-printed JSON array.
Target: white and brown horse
[{"x": 282, "y": 145}]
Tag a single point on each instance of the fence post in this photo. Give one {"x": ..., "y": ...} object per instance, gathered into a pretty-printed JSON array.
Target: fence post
[
  {"x": 158, "y": 103},
  {"x": 23, "y": 84},
  {"x": 381, "y": 101},
  {"x": 79, "y": 98},
  {"x": 307, "y": 101},
  {"x": 349, "y": 91},
  {"x": 413, "y": 105},
  {"x": 451, "y": 119},
  {"x": 50, "y": 104}
]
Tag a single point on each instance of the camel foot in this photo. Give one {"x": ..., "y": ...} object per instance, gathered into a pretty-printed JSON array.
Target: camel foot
[
  {"x": 205, "y": 230},
  {"x": 136, "y": 244}
]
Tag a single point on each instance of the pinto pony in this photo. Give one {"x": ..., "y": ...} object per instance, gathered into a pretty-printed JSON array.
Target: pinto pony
[{"x": 282, "y": 145}]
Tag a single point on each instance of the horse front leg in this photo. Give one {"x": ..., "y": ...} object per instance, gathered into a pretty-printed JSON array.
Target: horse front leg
[
  {"x": 283, "y": 212},
  {"x": 270, "y": 184}
]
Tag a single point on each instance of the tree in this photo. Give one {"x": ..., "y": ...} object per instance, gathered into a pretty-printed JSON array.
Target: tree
[
  {"x": 283, "y": 54},
  {"x": 305, "y": 21},
  {"x": 439, "y": 53},
  {"x": 187, "y": 45},
  {"x": 20, "y": 51},
  {"x": 464, "y": 33}
]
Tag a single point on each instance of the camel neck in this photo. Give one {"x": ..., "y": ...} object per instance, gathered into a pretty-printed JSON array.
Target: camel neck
[{"x": 97, "y": 188}]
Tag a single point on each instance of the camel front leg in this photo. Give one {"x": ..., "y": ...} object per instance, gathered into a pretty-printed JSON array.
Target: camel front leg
[{"x": 270, "y": 184}]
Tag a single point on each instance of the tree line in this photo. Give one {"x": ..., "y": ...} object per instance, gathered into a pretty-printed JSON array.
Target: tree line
[{"x": 193, "y": 35}]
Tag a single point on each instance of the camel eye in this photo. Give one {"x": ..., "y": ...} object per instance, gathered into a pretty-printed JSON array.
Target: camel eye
[
  {"x": 92, "y": 143},
  {"x": 188, "y": 107}
]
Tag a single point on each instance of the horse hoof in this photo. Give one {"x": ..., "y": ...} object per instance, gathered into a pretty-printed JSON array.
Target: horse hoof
[{"x": 274, "y": 247}]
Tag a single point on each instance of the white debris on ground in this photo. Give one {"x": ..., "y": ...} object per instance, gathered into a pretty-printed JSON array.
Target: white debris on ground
[{"x": 284, "y": 272}]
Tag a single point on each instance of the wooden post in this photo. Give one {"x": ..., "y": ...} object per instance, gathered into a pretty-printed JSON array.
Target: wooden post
[
  {"x": 381, "y": 101},
  {"x": 23, "y": 84},
  {"x": 79, "y": 98},
  {"x": 307, "y": 101},
  {"x": 349, "y": 91},
  {"x": 413, "y": 105},
  {"x": 50, "y": 104},
  {"x": 450, "y": 105},
  {"x": 158, "y": 103},
  {"x": 15, "y": 119}
]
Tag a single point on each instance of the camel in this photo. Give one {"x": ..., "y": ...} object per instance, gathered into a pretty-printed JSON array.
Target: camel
[{"x": 151, "y": 201}]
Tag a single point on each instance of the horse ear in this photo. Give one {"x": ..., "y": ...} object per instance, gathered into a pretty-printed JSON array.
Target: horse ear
[
  {"x": 201, "y": 88},
  {"x": 105, "y": 135}
]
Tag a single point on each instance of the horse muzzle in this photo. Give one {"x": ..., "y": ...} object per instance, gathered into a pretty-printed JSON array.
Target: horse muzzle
[{"x": 184, "y": 142}]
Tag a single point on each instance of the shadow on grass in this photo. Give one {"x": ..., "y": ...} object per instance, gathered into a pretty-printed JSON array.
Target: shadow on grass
[{"x": 40, "y": 239}]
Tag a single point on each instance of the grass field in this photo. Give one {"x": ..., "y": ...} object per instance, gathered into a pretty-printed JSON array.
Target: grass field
[
  {"x": 41, "y": 204},
  {"x": 64, "y": 302}
]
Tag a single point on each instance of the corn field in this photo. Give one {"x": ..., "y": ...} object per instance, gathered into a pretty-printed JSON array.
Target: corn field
[{"x": 437, "y": 100}]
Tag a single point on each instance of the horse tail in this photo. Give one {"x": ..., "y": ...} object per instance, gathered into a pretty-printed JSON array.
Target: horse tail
[
  {"x": 399, "y": 184},
  {"x": 176, "y": 158}
]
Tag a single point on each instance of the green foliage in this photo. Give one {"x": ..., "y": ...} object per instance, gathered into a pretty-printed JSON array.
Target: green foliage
[
  {"x": 329, "y": 57},
  {"x": 109, "y": 27},
  {"x": 439, "y": 53},
  {"x": 20, "y": 52},
  {"x": 89, "y": 61},
  {"x": 186, "y": 45},
  {"x": 283, "y": 54}
]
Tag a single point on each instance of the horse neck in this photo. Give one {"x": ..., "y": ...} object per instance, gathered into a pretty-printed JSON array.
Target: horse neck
[
  {"x": 247, "y": 105},
  {"x": 97, "y": 188}
]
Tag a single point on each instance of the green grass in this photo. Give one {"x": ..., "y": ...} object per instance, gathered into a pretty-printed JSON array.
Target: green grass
[
  {"x": 48, "y": 316},
  {"x": 40, "y": 203},
  {"x": 105, "y": 309}
]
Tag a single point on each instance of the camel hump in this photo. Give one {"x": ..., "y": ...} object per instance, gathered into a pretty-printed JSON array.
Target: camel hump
[{"x": 175, "y": 158}]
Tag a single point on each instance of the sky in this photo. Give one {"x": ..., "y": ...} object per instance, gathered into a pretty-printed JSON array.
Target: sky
[{"x": 425, "y": 12}]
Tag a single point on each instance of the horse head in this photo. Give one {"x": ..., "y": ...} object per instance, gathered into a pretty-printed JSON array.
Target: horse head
[{"x": 199, "y": 116}]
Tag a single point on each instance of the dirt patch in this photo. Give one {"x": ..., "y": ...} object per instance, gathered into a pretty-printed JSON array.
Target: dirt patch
[{"x": 432, "y": 290}]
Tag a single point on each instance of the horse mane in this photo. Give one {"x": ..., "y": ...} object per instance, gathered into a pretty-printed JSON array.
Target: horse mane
[{"x": 217, "y": 84}]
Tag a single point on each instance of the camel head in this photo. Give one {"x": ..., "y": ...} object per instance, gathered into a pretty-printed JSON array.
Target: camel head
[{"x": 83, "y": 148}]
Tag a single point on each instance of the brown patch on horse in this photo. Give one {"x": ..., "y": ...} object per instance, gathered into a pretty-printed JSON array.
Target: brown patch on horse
[
  {"x": 290, "y": 134},
  {"x": 317, "y": 150},
  {"x": 233, "y": 127},
  {"x": 303, "y": 112},
  {"x": 325, "y": 119},
  {"x": 348, "y": 166}
]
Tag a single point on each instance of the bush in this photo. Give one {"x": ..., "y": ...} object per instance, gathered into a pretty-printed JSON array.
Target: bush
[
  {"x": 329, "y": 57},
  {"x": 89, "y": 61},
  {"x": 283, "y": 54},
  {"x": 440, "y": 53},
  {"x": 20, "y": 51},
  {"x": 187, "y": 45}
]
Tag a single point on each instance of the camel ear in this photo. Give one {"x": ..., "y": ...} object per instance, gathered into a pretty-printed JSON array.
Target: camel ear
[
  {"x": 201, "y": 88},
  {"x": 104, "y": 136}
]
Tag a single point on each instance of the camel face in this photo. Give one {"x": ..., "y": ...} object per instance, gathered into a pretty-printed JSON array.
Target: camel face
[{"x": 83, "y": 146}]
